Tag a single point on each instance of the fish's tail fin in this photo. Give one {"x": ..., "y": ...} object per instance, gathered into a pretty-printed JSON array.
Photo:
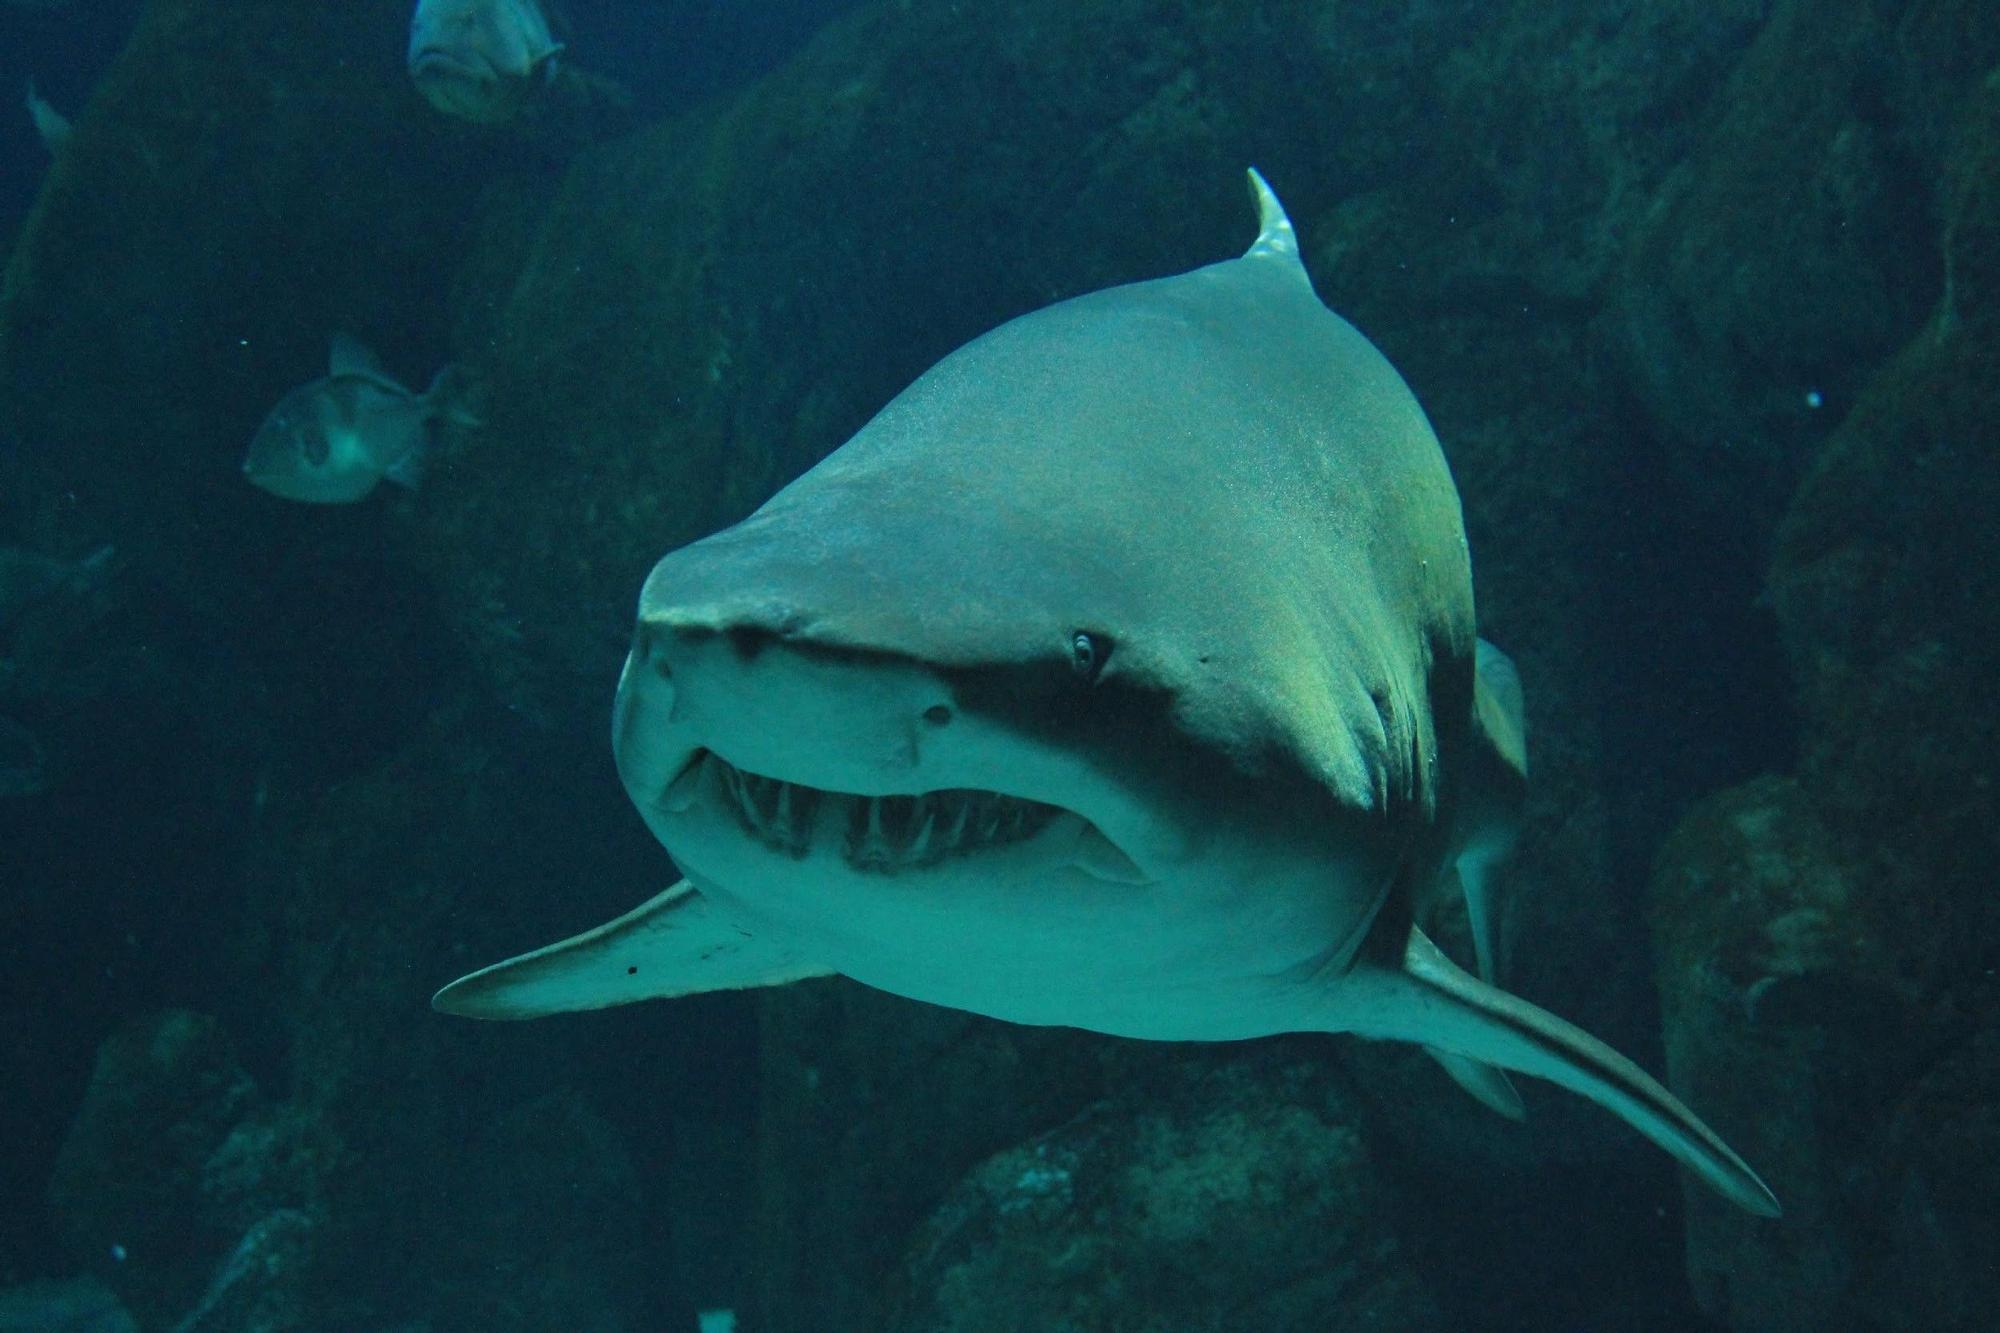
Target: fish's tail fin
[
  {"x": 448, "y": 403},
  {"x": 453, "y": 399},
  {"x": 1430, "y": 1000}
]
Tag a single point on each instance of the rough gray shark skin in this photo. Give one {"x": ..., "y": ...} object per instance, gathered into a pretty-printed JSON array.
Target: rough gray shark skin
[{"x": 1122, "y": 674}]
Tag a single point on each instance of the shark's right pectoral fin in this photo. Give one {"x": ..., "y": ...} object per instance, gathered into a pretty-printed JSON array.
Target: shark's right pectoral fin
[
  {"x": 676, "y": 944},
  {"x": 1432, "y": 1001}
]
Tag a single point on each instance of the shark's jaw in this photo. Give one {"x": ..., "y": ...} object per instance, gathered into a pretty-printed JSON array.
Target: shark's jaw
[
  {"x": 784, "y": 764},
  {"x": 880, "y": 835},
  {"x": 854, "y": 810}
]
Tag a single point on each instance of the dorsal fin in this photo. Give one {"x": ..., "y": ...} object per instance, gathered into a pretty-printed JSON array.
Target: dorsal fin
[
  {"x": 348, "y": 355},
  {"x": 1274, "y": 230}
]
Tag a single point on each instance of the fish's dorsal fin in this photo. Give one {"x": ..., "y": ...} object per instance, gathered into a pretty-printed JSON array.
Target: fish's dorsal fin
[
  {"x": 1275, "y": 236},
  {"x": 348, "y": 355}
]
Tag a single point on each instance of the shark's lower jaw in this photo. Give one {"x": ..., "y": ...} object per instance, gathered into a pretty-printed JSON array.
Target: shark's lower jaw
[{"x": 875, "y": 834}]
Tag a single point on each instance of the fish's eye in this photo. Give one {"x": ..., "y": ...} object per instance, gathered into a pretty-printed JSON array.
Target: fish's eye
[{"x": 1087, "y": 654}]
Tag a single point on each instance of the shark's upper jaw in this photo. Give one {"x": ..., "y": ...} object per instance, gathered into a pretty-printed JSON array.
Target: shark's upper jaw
[
  {"x": 880, "y": 835},
  {"x": 863, "y": 766},
  {"x": 876, "y": 834}
]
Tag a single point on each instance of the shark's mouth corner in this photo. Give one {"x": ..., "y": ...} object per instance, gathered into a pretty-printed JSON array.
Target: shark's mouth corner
[{"x": 883, "y": 834}]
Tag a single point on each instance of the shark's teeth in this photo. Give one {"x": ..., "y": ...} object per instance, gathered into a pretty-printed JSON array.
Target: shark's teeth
[{"x": 882, "y": 834}]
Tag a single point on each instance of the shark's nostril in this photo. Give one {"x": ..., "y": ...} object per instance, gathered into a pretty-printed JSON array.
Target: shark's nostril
[
  {"x": 937, "y": 715},
  {"x": 646, "y": 645}
]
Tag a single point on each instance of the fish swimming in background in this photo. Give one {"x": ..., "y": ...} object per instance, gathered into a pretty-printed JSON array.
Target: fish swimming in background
[
  {"x": 52, "y": 125},
  {"x": 1121, "y": 673},
  {"x": 479, "y": 60},
  {"x": 332, "y": 441}
]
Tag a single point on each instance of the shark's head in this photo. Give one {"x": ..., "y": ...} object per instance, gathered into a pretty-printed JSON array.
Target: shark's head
[
  {"x": 1002, "y": 694},
  {"x": 946, "y": 749}
]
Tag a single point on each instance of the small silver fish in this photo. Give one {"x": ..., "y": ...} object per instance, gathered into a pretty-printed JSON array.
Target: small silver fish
[
  {"x": 52, "y": 125},
  {"x": 479, "y": 60},
  {"x": 333, "y": 440}
]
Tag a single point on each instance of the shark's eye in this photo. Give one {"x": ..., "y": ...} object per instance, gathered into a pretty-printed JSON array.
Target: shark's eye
[{"x": 1087, "y": 654}]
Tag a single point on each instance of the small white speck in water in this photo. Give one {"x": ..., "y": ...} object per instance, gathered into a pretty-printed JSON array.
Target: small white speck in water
[{"x": 1814, "y": 399}]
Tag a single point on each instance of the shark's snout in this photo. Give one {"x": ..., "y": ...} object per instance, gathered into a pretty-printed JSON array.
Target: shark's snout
[
  {"x": 746, "y": 725},
  {"x": 772, "y": 701}
]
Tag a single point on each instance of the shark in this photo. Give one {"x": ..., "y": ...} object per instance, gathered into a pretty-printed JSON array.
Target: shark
[{"x": 1121, "y": 673}]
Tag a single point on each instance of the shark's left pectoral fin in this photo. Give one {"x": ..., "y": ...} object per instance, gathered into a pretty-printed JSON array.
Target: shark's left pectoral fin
[
  {"x": 676, "y": 944},
  {"x": 1432, "y": 1001}
]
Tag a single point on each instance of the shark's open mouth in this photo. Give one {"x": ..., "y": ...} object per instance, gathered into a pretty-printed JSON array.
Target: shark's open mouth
[{"x": 883, "y": 834}]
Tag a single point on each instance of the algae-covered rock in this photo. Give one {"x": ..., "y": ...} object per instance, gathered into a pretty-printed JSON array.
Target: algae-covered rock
[
  {"x": 1887, "y": 582},
  {"x": 1792, "y": 251},
  {"x": 1826, "y": 943},
  {"x": 76, "y": 1305},
  {"x": 1239, "y": 1196},
  {"x": 1788, "y": 1025},
  {"x": 174, "y": 1154},
  {"x": 873, "y": 1107},
  {"x": 1942, "y": 1231}
]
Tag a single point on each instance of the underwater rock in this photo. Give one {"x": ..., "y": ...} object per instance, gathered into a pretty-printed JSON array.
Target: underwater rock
[
  {"x": 567, "y": 1197},
  {"x": 1239, "y": 1195},
  {"x": 1787, "y": 1023},
  {"x": 111, "y": 700},
  {"x": 1826, "y": 941},
  {"x": 1791, "y": 253},
  {"x": 79, "y": 1305},
  {"x": 1886, "y": 580},
  {"x": 173, "y": 1156},
  {"x": 255, "y": 1287},
  {"x": 49, "y": 608},
  {"x": 1942, "y": 1232},
  {"x": 873, "y": 1107},
  {"x": 466, "y": 1186}
]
